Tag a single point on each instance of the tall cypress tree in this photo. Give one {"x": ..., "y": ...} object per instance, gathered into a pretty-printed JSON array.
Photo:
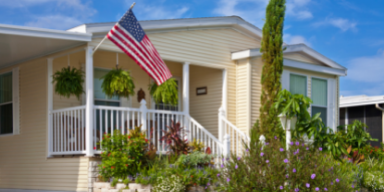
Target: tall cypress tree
[{"x": 272, "y": 55}]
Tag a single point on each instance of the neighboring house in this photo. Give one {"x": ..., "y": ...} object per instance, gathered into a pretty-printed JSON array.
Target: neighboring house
[
  {"x": 48, "y": 142},
  {"x": 368, "y": 110}
]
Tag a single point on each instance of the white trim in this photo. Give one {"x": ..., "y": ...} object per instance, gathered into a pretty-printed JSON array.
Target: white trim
[
  {"x": 49, "y": 105},
  {"x": 291, "y": 49},
  {"x": 89, "y": 100},
  {"x": 44, "y": 33},
  {"x": 224, "y": 99},
  {"x": 331, "y": 101},
  {"x": 315, "y": 68},
  {"x": 179, "y": 24},
  {"x": 186, "y": 88},
  {"x": 361, "y": 103}
]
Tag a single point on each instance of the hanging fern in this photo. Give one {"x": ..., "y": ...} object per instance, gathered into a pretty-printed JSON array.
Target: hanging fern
[
  {"x": 69, "y": 82},
  {"x": 118, "y": 82},
  {"x": 166, "y": 92}
]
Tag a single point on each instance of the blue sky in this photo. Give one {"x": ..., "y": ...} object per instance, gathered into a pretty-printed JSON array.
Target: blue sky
[{"x": 350, "y": 32}]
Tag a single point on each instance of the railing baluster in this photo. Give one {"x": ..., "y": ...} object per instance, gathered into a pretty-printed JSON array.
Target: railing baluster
[
  {"x": 100, "y": 127},
  {"x": 122, "y": 122}
]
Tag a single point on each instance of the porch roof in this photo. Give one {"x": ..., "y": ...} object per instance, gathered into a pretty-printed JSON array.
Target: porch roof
[
  {"x": 360, "y": 100},
  {"x": 18, "y": 44}
]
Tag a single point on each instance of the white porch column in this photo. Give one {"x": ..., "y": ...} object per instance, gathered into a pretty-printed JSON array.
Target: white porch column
[
  {"x": 224, "y": 96},
  {"x": 50, "y": 106},
  {"x": 186, "y": 88},
  {"x": 89, "y": 100},
  {"x": 186, "y": 99}
]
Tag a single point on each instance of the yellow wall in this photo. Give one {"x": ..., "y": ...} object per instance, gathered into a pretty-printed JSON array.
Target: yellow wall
[
  {"x": 303, "y": 58},
  {"x": 204, "y": 108},
  {"x": 242, "y": 95},
  {"x": 23, "y": 159}
]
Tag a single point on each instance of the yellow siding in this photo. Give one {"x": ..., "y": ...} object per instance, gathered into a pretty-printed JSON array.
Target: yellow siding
[
  {"x": 303, "y": 58},
  {"x": 204, "y": 108},
  {"x": 242, "y": 95},
  {"x": 23, "y": 163},
  {"x": 257, "y": 66}
]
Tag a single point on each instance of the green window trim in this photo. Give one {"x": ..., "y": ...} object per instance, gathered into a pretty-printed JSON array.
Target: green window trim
[
  {"x": 298, "y": 84},
  {"x": 319, "y": 96}
]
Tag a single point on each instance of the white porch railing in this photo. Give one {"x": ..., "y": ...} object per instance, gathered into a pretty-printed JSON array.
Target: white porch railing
[
  {"x": 237, "y": 137},
  {"x": 67, "y": 131},
  {"x": 68, "y": 128}
]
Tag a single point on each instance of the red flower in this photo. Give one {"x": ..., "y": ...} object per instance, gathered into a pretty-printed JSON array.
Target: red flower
[
  {"x": 146, "y": 140},
  {"x": 104, "y": 167},
  {"x": 129, "y": 137},
  {"x": 112, "y": 167},
  {"x": 191, "y": 175},
  {"x": 94, "y": 148},
  {"x": 126, "y": 165}
]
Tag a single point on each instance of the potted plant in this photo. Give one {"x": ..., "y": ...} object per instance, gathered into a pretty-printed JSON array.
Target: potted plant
[
  {"x": 69, "y": 81},
  {"x": 118, "y": 82},
  {"x": 166, "y": 92}
]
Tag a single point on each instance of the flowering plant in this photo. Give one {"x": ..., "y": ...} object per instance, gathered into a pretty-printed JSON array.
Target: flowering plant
[{"x": 273, "y": 168}]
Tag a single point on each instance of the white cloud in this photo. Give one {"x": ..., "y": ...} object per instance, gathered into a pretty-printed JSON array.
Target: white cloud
[
  {"x": 254, "y": 10},
  {"x": 341, "y": 23},
  {"x": 55, "y": 14},
  {"x": 160, "y": 12},
  {"x": 54, "y": 22},
  {"x": 298, "y": 9},
  {"x": 296, "y": 39},
  {"x": 255, "y": 15},
  {"x": 367, "y": 69}
]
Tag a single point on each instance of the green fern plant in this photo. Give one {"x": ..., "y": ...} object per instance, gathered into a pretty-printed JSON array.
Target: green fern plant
[
  {"x": 118, "y": 82},
  {"x": 69, "y": 82},
  {"x": 166, "y": 92}
]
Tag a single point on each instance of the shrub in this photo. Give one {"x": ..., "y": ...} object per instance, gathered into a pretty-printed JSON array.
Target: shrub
[
  {"x": 196, "y": 145},
  {"x": 373, "y": 175},
  {"x": 169, "y": 184},
  {"x": 123, "y": 155},
  {"x": 174, "y": 139},
  {"x": 356, "y": 135},
  {"x": 195, "y": 159},
  {"x": 272, "y": 168},
  {"x": 116, "y": 161}
]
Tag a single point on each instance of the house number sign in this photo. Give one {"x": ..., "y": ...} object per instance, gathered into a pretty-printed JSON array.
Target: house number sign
[{"x": 201, "y": 91}]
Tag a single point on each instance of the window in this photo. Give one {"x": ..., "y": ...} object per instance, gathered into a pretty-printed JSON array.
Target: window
[
  {"x": 319, "y": 98},
  {"x": 298, "y": 84},
  {"x": 100, "y": 97},
  {"x": 6, "y": 104}
]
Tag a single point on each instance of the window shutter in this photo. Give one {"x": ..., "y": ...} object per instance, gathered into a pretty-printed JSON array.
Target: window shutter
[
  {"x": 285, "y": 80},
  {"x": 331, "y": 104},
  {"x": 15, "y": 101}
]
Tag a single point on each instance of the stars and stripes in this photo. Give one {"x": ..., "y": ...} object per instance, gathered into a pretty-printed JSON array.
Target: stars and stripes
[{"x": 128, "y": 35}]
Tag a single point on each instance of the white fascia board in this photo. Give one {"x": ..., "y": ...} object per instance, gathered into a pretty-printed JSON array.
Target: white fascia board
[
  {"x": 185, "y": 24},
  {"x": 315, "y": 68},
  {"x": 44, "y": 33},
  {"x": 290, "y": 49},
  {"x": 361, "y": 103}
]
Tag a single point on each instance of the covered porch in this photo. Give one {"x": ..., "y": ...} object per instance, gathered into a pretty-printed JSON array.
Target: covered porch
[{"x": 77, "y": 125}]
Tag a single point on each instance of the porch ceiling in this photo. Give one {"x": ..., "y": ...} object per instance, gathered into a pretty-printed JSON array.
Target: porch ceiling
[{"x": 18, "y": 44}]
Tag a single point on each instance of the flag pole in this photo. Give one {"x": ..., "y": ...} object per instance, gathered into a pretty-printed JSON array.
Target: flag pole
[{"x": 105, "y": 37}]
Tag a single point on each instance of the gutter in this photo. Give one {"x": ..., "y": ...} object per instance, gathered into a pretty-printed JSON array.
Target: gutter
[{"x": 382, "y": 127}]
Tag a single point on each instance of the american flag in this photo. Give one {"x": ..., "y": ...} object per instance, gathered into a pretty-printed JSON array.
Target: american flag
[{"x": 131, "y": 38}]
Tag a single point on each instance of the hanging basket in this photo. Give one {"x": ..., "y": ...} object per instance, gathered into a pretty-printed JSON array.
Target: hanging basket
[
  {"x": 69, "y": 82},
  {"x": 118, "y": 82},
  {"x": 166, "y": 92}
]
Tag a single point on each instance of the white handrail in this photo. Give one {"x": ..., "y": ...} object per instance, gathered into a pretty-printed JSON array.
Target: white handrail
[
  {"x": 68, "y": 109},
  {"x": 236, "y": 129},
  {"x": 206, "y": 131}
]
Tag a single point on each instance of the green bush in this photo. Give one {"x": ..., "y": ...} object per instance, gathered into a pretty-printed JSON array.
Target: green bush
[
  {"x": 272, "y": 168},
  {"x": 373, "y": 175},
  {"x": 169, "y": 184},
  {"x": 123, "y": 155},
  {"x": 190, "y": 174},
  {"x": 194, "y": 159}
]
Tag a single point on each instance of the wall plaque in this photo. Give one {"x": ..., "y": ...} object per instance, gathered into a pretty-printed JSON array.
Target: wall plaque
[{"x": 201, "y": 91}]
